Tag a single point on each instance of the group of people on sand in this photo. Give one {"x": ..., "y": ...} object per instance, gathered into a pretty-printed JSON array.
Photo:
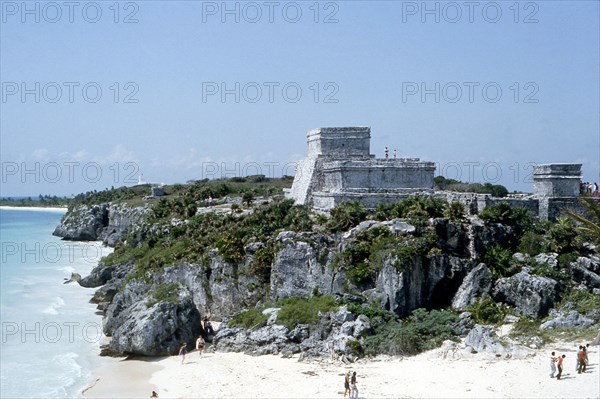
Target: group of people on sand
[
  {"x": 207, "y": 330},
  {"x": 350, "y": 387},
  {"x": 557, "y": 362}
]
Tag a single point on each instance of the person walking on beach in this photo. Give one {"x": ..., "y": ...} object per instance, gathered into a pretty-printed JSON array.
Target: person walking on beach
[
  {"x": 577, "y": 358},
  {"x": 182, "y": 352},
  {"x": 581, "y": 360},
  {"x": 552, "y": 364},
  {"x": 354, "y": 393},
  {"x": 559, "y": 364},
  {"x": 200, "y": 345},
  {"x": 347, "y": 384}
]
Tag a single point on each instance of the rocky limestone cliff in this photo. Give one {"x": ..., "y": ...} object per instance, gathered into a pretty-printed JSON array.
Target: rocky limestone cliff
[
  {"x": 106, "y": 222},
  {"x": 153, "y": 315}
]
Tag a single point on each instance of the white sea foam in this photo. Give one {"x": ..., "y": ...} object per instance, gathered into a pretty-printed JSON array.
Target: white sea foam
[
  {"x": 54, "y": 306},
  {"x": 35, "y": 361},
  {"x": 33, "y": 208}
]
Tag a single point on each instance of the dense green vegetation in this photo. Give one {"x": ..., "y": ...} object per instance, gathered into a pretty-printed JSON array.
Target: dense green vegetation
[
  {"x": 421, "y": 331},
  {"x": 181, "y": 199},
  {"x": 168, "y": 292},
  {"x": 486, "y": 311},
  {"x": 365, "y": 254},
  {"x": 40, "y": 201},
  {"x": 296, "y": 311},
  {"x": 497, "y": 190},
  {"x": 228, "y": 233},
  {"x": 361, "y": 257},
  {"x": 293, "y": 311},
  {"x": 532, "y": 237}
]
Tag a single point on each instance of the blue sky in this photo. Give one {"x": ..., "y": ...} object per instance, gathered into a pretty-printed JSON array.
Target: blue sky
[{"x": 162, "y": 66}]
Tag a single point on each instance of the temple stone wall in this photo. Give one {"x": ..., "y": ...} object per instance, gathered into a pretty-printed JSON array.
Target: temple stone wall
[
  {"x": 339, "y": 161},
  {"x": 556, "y": 180},
  {"x": 340, "y": 168},
  {"x": 340, "y": 142}
]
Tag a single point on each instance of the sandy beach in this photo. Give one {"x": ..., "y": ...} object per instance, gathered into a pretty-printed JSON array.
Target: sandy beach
[{"x": 235, "y": 375}]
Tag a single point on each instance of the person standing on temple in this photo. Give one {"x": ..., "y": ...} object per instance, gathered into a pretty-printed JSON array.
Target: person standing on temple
[
  {"x": 387, "y": 152},
  {"x": 394, "y": 153}
]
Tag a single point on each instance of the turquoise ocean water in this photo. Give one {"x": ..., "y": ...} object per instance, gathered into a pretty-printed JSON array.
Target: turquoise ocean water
[{"x": 50, "y": 333}]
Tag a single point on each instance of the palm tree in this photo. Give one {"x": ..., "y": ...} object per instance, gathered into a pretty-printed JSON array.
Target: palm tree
[{"x": 590, "y": 226}]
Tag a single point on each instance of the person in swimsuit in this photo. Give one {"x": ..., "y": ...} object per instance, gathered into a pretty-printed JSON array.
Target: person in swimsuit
[
  {"x": 347, "y": 384},
  {"x": 200, "y": 345},
  {"x": 182, "y": 352}
]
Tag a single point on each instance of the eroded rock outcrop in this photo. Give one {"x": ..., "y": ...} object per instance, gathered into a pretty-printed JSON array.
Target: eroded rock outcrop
[
  {"x": 329, "y": 337},
  {"x": 531, "y": 295},
  {"x": 475, "y": 285},
  {"x": 106, "y": 222}
]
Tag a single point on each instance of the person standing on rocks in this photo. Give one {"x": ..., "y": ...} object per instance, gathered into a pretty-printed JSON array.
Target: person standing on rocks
[
  {"x": 560, "y": 366},
  {"x": 552, "y": 364},
  {"x": 354, "y": 393},
  {"x": 182, "y": 352}
]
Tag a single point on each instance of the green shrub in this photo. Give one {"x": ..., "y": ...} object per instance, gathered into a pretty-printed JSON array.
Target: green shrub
[
  {"x": 251, "y": 318},
  {"x": 166, "y": 292},
  {"x": 262, "y": 262},
  {"x": 498, "y": 259},
  {"x": 531, "y": 243},
  {"x": 355, "y": 347},
  {"x": 455, "y": 211},
  {"x": 504, "y": 213},
  {"x": 296, "y": 311},
  {"x": 372, "y": 312},
  {"x": 420, "y": 332},
  {"x": 584, "y": 301},
  {"x": 347, "y": 215},
  {"x": 486, "y": 311},
  {"x": 561, "y": 236}
]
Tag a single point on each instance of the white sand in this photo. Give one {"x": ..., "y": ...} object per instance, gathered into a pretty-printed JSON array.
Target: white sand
[
  {"x": 119, "y": 378},
  {"x": 234, "y": 375}
]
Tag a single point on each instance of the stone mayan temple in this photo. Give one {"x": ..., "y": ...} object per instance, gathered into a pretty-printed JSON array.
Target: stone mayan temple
[{"x": 339, "y": 167}]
